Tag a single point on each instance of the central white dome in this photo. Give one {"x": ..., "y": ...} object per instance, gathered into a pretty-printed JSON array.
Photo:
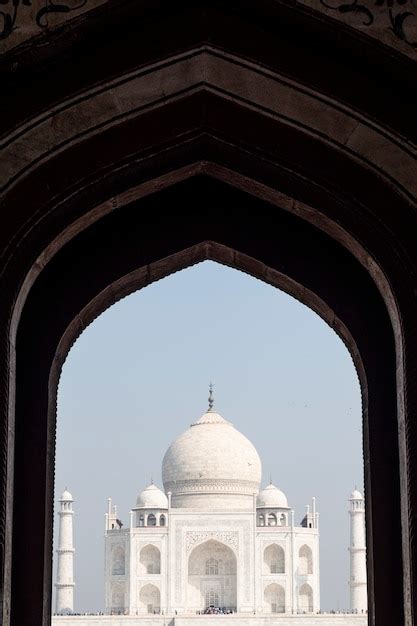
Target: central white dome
[{"x": 211, "y": 459}]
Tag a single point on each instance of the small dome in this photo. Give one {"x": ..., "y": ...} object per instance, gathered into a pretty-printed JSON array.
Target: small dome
[
  {"x": 272, "y": 498},
  {"x": 66, "y": 497},
  {"x": 152, "y": 498},
  {"x": 356, "y": 495}
]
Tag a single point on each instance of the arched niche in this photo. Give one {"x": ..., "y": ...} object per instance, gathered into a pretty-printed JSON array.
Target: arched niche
[
  {"x": 212, "y": 572},
  {"x": 118, "y": 561},
  {"x": 272, "y": 519},
  {"x": 274, "y": 598},
  {"x": 151, "y": 519},
  {"x": 150, "y": 560},
  {"x": 305, "y": 560},
  {"x": 117, "y": 599},
  {"x": 149, "y": 599},
  {"x": 305, "y": 600},
  {"x": 274, "y": 559}
]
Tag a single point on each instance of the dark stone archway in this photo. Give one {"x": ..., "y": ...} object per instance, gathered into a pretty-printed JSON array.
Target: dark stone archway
[
  {"x": 259, "y": 136},
  {"x": 135, "y": 245}
]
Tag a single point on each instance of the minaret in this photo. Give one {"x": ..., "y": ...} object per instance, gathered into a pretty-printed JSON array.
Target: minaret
[
  {"x": 357, "y": 582},
  {"x": 65, "y": 566}
]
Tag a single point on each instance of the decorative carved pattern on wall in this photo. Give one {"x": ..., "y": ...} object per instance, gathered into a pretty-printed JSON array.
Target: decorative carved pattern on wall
[
  {"x": 211, "y": 484},
  {"x": 397, "y": 16},
  {"x": 229, "y": 538},
  {"x": 13, "y": 8},
  {"x": 389, "y": 20}
]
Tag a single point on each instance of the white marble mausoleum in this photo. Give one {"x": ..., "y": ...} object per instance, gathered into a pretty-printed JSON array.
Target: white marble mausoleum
[{"x": 213, "y": 536}]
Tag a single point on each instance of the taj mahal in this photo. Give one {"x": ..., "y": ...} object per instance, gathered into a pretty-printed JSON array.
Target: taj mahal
[{"x": 212, "y": 541}]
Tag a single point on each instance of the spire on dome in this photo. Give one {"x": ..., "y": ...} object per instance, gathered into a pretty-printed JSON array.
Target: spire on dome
[
  {"x": 211, "y": 416},
  {"x": 211, "y": 398}
]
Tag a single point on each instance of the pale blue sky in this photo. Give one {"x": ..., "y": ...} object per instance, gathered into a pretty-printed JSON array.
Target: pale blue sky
[{"x": 138, "y": 376}]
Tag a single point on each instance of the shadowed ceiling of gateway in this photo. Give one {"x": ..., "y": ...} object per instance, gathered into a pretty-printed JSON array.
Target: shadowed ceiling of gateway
[{"x": 314, "y": 117}]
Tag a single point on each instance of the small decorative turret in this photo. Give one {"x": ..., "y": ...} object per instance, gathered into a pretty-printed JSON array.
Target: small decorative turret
[{"x": 112, "y": 522}]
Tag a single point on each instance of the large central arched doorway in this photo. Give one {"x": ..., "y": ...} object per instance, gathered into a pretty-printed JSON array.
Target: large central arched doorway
[{"x": 212, "y": 577}]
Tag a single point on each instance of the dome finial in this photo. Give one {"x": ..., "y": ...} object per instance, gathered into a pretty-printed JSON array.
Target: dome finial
[
  {"x": 210, "y": 398},
  {"x": 270, "y": 479}
]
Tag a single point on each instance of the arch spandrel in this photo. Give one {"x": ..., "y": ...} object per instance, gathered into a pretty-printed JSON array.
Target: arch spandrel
[
  {"x": 210, "y": 548},
  {"x": 393, "y": 24},
  {"x": 194, "y": 539}
]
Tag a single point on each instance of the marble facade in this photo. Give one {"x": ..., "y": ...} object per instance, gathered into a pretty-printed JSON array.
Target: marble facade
[{"x": 212, "y": 537}]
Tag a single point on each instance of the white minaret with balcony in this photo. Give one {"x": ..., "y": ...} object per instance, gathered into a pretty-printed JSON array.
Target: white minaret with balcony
[
  {"x": 357, "y": 549},
  {"x": 65, "y": 562}
]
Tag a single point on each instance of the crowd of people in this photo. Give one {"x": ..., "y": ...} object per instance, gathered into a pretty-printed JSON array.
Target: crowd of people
[
  {"x": 210, "y": 610},
  {"x": 216, "y": 610}
]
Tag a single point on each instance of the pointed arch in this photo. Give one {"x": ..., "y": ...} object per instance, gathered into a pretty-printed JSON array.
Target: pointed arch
[
  {"x": 150, "y": 599},
  {"x": 212, "y": 573},
  {"x": 118, "y": 558},
  {"x": 305, "y": 602},
  {"x": 274, "y": 598},
  {"x": 305, "y": 560},
  {"x": 150, "y": 560},
  {"x": 272, "y": 519},
  {"x": 117, "y": 598},
  {"x": 274, "y": 559}
]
